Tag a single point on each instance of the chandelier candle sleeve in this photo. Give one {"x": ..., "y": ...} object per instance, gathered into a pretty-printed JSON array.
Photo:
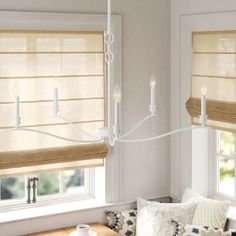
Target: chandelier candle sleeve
[
  {"x": 203, "y": 101},
  {"x": 17, "y": 111},
  {"x": 17, "y": 104},
  {"x": 117, "y": 100},
  {"x": 153, "y": 94},
  {"x": 56, "y": 106},
  {"x": 116, "y": 121}
]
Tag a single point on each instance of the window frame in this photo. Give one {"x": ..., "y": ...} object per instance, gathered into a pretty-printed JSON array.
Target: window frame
[{"x": 79, "y": 22}]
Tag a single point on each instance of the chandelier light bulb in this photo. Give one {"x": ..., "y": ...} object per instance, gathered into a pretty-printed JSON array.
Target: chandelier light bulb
[
  {"x": 56, "y": 82},
  {"x": 204, "y": 91},
  {"x": 117, "y": 94},
  {"x": 203, "y": 116},
  {"x": 153, "y": 81}
]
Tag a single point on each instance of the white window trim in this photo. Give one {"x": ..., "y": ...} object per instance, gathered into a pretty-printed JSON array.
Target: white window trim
[{"x": 79, "y": 22}]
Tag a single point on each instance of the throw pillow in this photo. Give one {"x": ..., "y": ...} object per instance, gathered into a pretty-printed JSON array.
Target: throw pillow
[
  {"x": 190, "y": 195},
  {"x": 195, "y": 230},
  {"x": 123, "y": 222},
  {"x": 153, "y": 217},
  {"x": 208, "y": 211}
]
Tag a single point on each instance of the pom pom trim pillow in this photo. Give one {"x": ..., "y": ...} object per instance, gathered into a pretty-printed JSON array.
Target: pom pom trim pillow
[
  {"x": 123, "y": 222},
  {"x": 195, "y": 230},
  {"x": 153, "y": 218}
]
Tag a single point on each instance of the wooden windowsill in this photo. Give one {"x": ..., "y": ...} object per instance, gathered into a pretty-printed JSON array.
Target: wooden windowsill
[{"x": 100, "y": 229}]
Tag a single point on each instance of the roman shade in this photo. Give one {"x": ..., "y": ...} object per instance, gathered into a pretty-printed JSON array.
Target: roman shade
[
  {"x": 18, "y": 163},
  {"x": 39, "y": 61},
  {"x": 214, "y": 67}
]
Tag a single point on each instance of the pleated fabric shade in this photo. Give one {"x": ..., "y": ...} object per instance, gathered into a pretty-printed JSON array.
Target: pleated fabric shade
[
  {"x": 44, "y": 160},
  {"x": 40, "y": 61},
  {"x": 214, "y": 67}
]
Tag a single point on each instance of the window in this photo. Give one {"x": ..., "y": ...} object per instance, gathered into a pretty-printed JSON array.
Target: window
[
  {"x": 58, "y": 186},
  {"x": 213, "y": 67},
  {"x": 67, "y": 23},
  {"x": 224, "y": 164},
  {"x": 52, "y": 183},
  {"x": 47, "y": 169}
]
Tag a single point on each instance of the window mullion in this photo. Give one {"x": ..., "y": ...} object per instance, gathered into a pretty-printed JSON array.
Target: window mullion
[{"x": 26, "y": 190}]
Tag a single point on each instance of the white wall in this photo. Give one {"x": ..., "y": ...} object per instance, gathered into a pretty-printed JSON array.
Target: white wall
[
  {"x": 144, "y": 168},
  {"x": 181, "y": 162}
]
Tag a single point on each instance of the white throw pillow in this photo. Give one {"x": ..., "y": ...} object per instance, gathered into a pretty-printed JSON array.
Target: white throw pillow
[
  {"x": 153, "y": 218},
  {"x": 208, "y": 212},
  {"x": 190, "y": 195}
]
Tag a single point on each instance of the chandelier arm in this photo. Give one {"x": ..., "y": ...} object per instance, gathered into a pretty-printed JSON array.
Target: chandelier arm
[
  {"x": 157, "y": 137},
  {"x": 76, "y": 127},
  {"x": 137, "y": 126},
  {"x": 112, "y": 141},
  {"x": 57, "y": 136}
]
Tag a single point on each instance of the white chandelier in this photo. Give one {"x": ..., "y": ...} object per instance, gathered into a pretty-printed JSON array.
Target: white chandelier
[{"x": 111, "y": 133}]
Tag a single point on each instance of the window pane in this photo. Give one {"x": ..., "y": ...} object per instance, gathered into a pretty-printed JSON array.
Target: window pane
[
  {"x": 226, "y": 143},
  {"x": 226, "y": 176},
  {"x": 13, "y": 188},
  {"x": 48, "y": 184},
  {"x": 73, "y": 180}
]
